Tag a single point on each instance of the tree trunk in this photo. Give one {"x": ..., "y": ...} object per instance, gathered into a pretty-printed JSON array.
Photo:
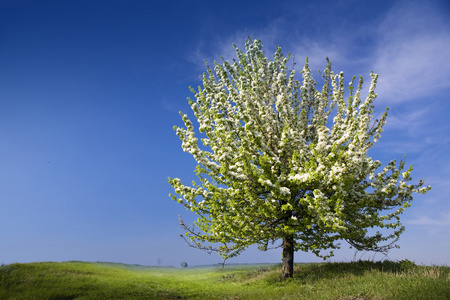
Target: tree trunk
[{"x": 287, "y": 268}]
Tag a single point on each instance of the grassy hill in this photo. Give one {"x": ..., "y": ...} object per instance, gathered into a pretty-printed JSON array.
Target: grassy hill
[{"x": 354, "y": 280}]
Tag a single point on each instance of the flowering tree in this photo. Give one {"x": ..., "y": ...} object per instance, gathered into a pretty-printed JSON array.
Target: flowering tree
[{"x": 283, "y": 161}]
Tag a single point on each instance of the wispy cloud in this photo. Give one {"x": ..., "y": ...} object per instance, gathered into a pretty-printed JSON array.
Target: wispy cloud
[
  {"x": 408, "y": 118},
  {"x": 412, "y": 57},
  {"x": 408, "y": 48},
  {"x": 208, "y": 51},
  {"x": 418, "y": 127},
  {"x": 443, "y": 219}
]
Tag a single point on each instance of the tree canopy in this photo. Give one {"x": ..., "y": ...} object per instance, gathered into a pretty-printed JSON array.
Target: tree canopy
[{"x": 280, "y": 160}]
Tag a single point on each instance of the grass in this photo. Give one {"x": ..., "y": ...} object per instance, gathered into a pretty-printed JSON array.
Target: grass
[{"x": 340, "y": 281}]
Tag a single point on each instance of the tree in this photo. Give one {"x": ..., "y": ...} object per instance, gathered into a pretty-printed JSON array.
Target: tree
[{"x": 283, "y": 161}]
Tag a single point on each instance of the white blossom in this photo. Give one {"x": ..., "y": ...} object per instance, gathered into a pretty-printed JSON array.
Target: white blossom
[{"x": 278, "y": 149}]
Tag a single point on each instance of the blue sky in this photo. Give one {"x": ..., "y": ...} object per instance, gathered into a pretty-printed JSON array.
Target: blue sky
[{"x": 90, "y": 91}]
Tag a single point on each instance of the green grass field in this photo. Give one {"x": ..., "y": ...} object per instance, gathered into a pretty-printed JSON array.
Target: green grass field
[{"x": 354, "y": 280}]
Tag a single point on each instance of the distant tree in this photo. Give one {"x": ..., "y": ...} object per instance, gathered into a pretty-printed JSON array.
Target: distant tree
[
  {"x": 283, "y": 161},
  {"x": 184, "y": 264}
]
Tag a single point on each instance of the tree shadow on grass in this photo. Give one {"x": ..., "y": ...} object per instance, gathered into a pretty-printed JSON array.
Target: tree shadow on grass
[
  {"x": 358, "y": 268},
  {"x": 64, "y": 297},
  {"x": 409, "y": 281}
]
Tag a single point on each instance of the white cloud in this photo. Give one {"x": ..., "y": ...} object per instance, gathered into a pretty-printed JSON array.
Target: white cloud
[
  {"x": 222, "y": 46},
  {"x": 407, "y": 48},
  {"x": 443, "y": 219},
  {"x": 412, "y": 57},
  {"x": 316, "y": 52},
  {"x": 411, "y": 119},
  {"x": 419, "y": 129}
]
